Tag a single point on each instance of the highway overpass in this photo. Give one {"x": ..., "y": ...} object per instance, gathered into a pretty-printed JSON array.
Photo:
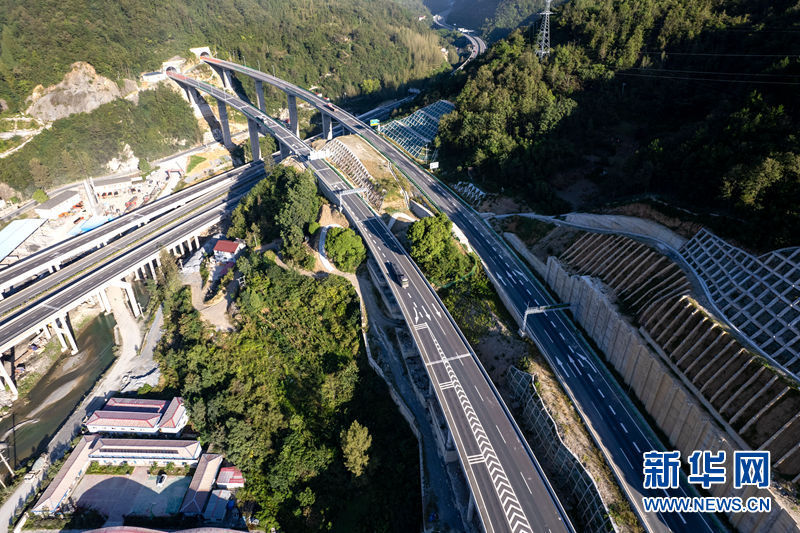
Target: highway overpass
[
  {"x": 508, "y": 487},
  {"x": 45, "y": 304},
  {"x": 616, "y": 425}
]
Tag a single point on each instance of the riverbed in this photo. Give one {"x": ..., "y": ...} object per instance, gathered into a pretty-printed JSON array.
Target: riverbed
[{"x": 32, "y": 422}]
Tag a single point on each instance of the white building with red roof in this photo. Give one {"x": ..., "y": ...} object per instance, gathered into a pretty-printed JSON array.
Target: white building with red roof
[
  {"x": 226, "y": 251},
  {"x": 140, "y": 416}
]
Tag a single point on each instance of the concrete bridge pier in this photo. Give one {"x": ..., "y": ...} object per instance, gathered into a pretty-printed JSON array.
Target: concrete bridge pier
[
  {"x": 64, "y": 331},
  {"x": 131, "y": 295},
  {"x": 103, "y": 297},
  {"x": 255, "y": 148},
  {"x": 294, "y": 125},
  {"x": 327, "y": 126},
  {"x": 6, "y": 376},
  {"x": 223, "y": 122},
  {"x": 260, "y": 96},
  {"x": 285, "y": 151}
]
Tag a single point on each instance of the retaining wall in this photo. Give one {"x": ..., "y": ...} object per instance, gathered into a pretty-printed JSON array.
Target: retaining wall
[{"x": 687, "y": 425}]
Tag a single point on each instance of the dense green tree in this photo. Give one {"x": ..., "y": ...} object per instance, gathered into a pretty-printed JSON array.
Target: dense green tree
[
  {"x": 435, "y": 251},
  {"x": 642, "y": 97},
  {"x": 356, "y": 442},
  {"x": 345, "y": 248},
  {"x": 40, "y": 196}
]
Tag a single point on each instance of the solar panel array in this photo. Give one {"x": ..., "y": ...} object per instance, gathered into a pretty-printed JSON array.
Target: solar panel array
[{"x": 415, "y": 132}]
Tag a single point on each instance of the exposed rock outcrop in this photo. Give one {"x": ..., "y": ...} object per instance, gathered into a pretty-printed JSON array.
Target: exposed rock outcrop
[{"x": 82, "y": 90}]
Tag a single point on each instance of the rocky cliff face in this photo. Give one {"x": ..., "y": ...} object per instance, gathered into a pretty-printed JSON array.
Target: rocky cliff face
[{"x": 81, "y": 91}]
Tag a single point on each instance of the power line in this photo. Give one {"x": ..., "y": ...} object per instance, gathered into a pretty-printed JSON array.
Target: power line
[
  {"x": 707, "y": 79},
  {"x": 722, "y": 55},
  {"x": 717, "y": 73}
]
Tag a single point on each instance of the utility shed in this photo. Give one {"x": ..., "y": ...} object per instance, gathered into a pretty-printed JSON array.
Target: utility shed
[{"x": 60, "y": 203}]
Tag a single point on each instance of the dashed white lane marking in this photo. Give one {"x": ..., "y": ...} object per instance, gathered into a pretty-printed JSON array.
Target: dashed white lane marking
[
  {"x": 479, "y": 392},
  {"x": 562, "y": 336},
  {"x": 548, "y": 336},
  {"x": 529, "y": 292},
  {"x": 384, "y": 255},
  {"x": 589, "y": 376},
  {"x": 552, "y": 323},
  {"x": 603, "y": 396},
  {"x": 623, "y": 428},
  {"x": 635, "y": 446},
  {"x": 501, "y": 434},
  {"x": 526, "y": 482},
  {"x": 515, "y": 516},
  {"x": 612, "y": 410}
]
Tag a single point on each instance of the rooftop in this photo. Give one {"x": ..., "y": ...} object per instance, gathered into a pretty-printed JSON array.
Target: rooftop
[
  {"x": 224, "y": 246},
  {"x": 58, "y": 199},
  {"x": 202, "y": 483}
]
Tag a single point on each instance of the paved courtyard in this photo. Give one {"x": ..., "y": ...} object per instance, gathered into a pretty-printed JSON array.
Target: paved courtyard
[{"x": 117, "y": 496}]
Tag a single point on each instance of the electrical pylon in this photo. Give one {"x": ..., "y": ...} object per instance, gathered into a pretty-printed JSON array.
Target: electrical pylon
[{"x": 543, "y": 41}]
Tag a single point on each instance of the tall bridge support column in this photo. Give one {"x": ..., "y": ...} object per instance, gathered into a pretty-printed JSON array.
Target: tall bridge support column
[
  {"x": 131, "y": 295},
  {"x": 294, "y": 125},
  {"x": 255, "y": 148},
  {"x": 223, "y": 121},
  {"x": 64, "y": 331},
  {"x": 285, "y": 151},
  {"x": 260, "y": 96},
  {"x": 101, "y": 294},
  {"x": 6, "y": 377},
  {"x": 327, "y": 126}
]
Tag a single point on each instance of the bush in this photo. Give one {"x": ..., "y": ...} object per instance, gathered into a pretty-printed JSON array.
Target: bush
[
  {"x": 345, "y": 248},
  {"x": 40, "y": 196},
  {"x": 313, "y": 227}
]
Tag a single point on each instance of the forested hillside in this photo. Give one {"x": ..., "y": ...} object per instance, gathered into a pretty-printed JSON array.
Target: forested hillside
[
  {"x": 335, "y": 44},
  {"x": 82, "y": 144},
  {"x": 289, "y": 396},
  {"x": 695, "y": 101}
]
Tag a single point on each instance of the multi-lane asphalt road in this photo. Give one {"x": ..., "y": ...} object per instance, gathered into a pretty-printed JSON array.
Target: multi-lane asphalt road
[
  {"x": 82, "y": 277},
  {"x": 21, "y": 271},
  {"x": 511, "y": 492},
  {"x": 616, "y": 424},
  {"x": 478, "y": 45}
]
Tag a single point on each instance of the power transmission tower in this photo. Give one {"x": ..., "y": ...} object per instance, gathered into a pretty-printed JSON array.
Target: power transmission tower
[{"x": 543, "y": 41}]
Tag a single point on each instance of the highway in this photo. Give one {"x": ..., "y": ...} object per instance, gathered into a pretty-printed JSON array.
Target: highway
[
  {"x": 96, "y": 271},
  {"x": 615, "y": 423},
  {"x": 510, "y": 489},
  {"x": 21, "y": 299},
  {"x": 478, "y": 46},
  {"x": 21, "y": 271}
]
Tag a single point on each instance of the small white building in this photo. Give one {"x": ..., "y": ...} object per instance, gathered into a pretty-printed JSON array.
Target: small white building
[
  {"x": 58, "y": 204},
  {"x": 226, "y": 251}
]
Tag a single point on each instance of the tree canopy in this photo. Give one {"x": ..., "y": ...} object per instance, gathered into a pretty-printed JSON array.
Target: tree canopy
[
  {"x": 642, "y": 98},
  {"x": 433, "y": 248},
  {"x": 345, "y": 248},
  {"x": 280, "y": 396}
]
